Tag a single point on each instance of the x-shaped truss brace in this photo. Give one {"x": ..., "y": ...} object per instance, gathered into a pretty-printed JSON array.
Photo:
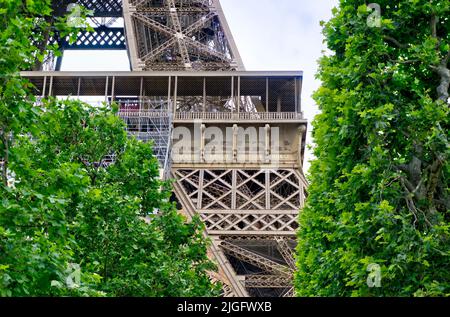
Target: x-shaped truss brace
[{"x": 178, "y": 35}]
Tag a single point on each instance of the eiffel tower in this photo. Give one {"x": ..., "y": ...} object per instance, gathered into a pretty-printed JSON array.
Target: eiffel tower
[{"x": 233, "y": 140}]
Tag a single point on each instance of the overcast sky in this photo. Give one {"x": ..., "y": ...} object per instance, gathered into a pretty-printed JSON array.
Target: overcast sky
[
  {"x": 281, "y": 35},
  {"x": 270, "y": 35}
]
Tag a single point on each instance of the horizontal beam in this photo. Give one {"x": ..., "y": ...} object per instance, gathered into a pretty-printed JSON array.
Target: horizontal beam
[
  {"x": 285, "y": 251},
  {"x": 189, "y": 117},
  {"x": 259, "y": 233},
  {"x": 239, "y": 165},
  {"x": 181, "y": 87},
  {"x": 282, "y": 74},
  {"x": 255, "y": 259},
  {"x": 249, "y": 212},
  {"x": 102, "y": 38},
  {"x": 242, "y": 116},
  {"x": 267, "y": 281}
]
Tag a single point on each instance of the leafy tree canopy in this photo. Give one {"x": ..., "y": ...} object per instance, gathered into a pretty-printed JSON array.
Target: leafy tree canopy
[
  {"x": 82, "y": 209},
  {"x": 379, "y": 187}
]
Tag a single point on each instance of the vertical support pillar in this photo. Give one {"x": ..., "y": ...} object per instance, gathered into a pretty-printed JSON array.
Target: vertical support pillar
[
  {"x": 175, "y": 93},
  {"x": 128, "y": 10},
  {"x": 235, "y": 145},
  {"x": 299, "y": 94},
  {"x": 79, "y": 87},
  {"x": 202, "y": 142},
  {"x": 169, "y": 101},
  {"x": 106, "y": 88},
  {"x": 267, "y": 180},
  {"x": 233, "y": 189},
  {"x": 267, "y": 94},
  {"x": 239, "y": 94},
  {"x": 301, "y": 132},
  {"x": 141, "y": 90},
  {"x": 201, "y": 177},
  {"x": 113, "y": 89},
  {"x": 44, "y": 87},
  {"x": 204, "y": 94},
  {"x": 50, "y": 88},
  {"x": 232, "y": 92},
  {"x": 296, "y": 94},
  {"x": 267, "y": 143}
]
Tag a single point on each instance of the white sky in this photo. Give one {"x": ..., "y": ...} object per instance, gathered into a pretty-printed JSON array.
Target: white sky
[{"x": 270, "y": 35}]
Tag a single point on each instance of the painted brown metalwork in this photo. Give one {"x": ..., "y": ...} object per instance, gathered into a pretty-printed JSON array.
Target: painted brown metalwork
[{"x": 232, "y": 140}]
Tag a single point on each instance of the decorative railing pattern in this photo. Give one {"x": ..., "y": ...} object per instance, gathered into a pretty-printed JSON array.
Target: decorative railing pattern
[
  {"x": 144, "y": 114},
  {"x": 216, "y": 116},
  {"x": 233, "y": 116}
]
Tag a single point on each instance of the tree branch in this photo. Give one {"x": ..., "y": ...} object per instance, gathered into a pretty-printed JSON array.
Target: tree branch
[
  {"x": 433, "y": 24},
  {"x": 394, "y": 41},
  {"x": 5, "y": 142},
  {"x": 444, "y": 73},
  {"x": 412, "y": 206},
  {"x": 435, "y": 170},
  {"x": 442, "y": 70}
]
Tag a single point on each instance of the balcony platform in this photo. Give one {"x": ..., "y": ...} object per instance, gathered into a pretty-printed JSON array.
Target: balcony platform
[{"x": 271, "y": 91}]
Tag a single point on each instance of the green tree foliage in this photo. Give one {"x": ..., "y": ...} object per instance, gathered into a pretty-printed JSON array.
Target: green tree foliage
[
  {"x": 379, "y": 187},
  {"x": 114, "y": 220},
  {"x": 25, "y": 27},
  {"x": 69, "y": 224}
]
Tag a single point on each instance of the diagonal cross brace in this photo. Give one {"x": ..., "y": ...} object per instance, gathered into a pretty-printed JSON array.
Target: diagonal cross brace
[{"x": 255, "y": 259}]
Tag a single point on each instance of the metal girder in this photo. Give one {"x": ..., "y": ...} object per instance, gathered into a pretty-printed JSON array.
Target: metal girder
[
  {"x": 179, "y": 33},
  {"x": 255, "y": 259},
  {"x": 285, "y": 251},
  {"x": 258, "y": 198},
  {"x": 105, "y": 38},
  {"x": 152, "y": 55},
  {"x": 246, "y": 209},
  {"x": 155, "y": 11},
  {"x": 187, "y": 32},
  {"x": 204, "y": 43},
  {"x": 249, "y": 223},
  {"x": 227, "y": 289},
  {"x": 243, "y": 202},
  {"x": 215, "y": 252},
  {"x": 153, "y": 24},
  {"x": 190, "y": 35},
  {"x": 267, "y": 281},
  {"x": 289, "y": 293},
  {"x": 198, "y": 24},
  {"x": 206, "y": 49}
]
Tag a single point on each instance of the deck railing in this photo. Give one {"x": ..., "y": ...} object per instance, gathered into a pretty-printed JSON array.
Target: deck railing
[
  {"x": 216, "y": 116},
  {"x": 144, "y": 114},
  {"x": 233, "y": 116}
]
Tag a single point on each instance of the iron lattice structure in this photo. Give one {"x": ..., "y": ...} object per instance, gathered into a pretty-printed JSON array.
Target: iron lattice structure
[
  {"x": 107, "y": 35},
  {"x": 160, "y": 35},
  {"x": 179, "y": 35},
  {"x": 189, "y": 95}
]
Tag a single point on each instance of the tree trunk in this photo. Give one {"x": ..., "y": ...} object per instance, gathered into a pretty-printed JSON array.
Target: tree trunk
[{"x": 5, "y": 158}]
